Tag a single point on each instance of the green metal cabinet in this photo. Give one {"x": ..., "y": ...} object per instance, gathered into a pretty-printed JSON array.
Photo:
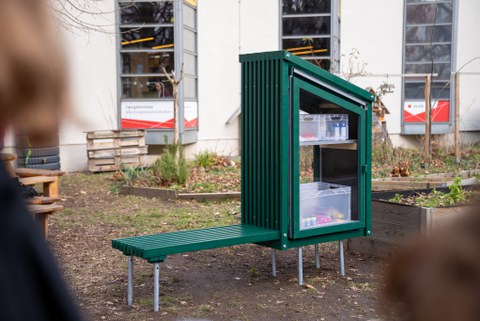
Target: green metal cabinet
[{"x": 312, "y": 188}]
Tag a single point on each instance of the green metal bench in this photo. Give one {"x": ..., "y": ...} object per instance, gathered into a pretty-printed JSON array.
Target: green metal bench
[{"x": 156, "y": 247}]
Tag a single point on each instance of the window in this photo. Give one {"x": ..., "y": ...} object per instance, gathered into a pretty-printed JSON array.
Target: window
[
  {"x": 155, "y": 35},
  {"x": 428, "y": 48},
  {"x": 310, "y": 29},
  {"x": 147, "y": 45}
]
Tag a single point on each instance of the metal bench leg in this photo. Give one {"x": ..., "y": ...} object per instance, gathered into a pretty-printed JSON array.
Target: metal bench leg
[
  {"x": 342, "y": 261},
  {"x": 130, "y": 280},
  {"x": 300, "y": 266},
  {"x": 156, "y": 286},
  {"x": 274, "y": 262},
  {"x": 317, "y": 257}
]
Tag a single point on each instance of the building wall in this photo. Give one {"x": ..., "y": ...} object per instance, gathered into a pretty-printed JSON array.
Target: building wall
[
  {"x": 93, "y": 80},
  {"x": 375, "y": 29},
  {"x": 227, "y": 29},
  {"x": 468, "y": 48},
  {"x": 371, "y": 28}
]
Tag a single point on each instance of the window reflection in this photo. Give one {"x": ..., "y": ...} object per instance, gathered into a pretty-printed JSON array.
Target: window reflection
[
  {"x": 146, "y": 12},
  {"x": 306, "y": 26},
  {"x": 146, "y": 87},
  {"x": 151, "y": 38},
  {"x": 147, "y": 62},
  {"x": 305, "y": 6},
  {"x": 429, "y": 13}
]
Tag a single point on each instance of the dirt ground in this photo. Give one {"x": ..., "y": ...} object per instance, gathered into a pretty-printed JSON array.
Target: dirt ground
[{"x": 224, "y": 284}]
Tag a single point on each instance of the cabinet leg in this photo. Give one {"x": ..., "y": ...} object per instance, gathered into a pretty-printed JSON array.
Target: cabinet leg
[
  {"x": 342, "y": 260},
  {"x": 274, "y": 262},
  {"x": 300, "y": 266},
  {"x": 317, "y": 257}
]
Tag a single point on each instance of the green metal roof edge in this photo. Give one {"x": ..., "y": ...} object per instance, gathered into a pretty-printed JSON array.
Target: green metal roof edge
[
  {"x": 263, "y": 56},
  {"x": 311, "y": 69}
]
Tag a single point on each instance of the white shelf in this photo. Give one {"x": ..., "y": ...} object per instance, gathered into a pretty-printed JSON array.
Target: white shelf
[{"x": 338, "y": 144}]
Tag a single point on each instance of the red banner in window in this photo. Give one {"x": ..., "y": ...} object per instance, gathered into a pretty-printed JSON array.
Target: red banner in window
[{"x": 414, "y": 111}]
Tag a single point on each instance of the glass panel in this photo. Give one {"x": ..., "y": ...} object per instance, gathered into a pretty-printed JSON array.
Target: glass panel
[
  {"x": 146, "y": 12},
  {"x": 189, "y": 40},
  {"x": 443, "y": 70},
  {"x": 429, "y": 13},
  {"x": 423, "y": 34},
  {"x": 146, "y": 87},
  {"x": 439, "y": 90},
  {"x": 328, "y": 176},
  {"x": 317, "y": 43},
  {"x": 306, "y": 26},
  {"x": 420, "y": 53},
  {"x": 190, "y": 64},
  {"x": 147, "y": 38},
  {"x": 190, "y": 87},
  {"x": 305, "y": 6},
  {"x": 189, "y": 17},
  {"x": 147, "y": 62}
]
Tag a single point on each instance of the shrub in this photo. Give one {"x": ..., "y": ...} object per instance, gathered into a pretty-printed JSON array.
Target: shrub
[
  {"x": 205, "y": 159},
  {"x": 172, "y": 167}
]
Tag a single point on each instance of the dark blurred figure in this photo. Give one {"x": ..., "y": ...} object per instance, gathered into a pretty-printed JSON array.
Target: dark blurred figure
[
  {"x": 439, "y": 278},
  {"x": 32, "y": 98}
]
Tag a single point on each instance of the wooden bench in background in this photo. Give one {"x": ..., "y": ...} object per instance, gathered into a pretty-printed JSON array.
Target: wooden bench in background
[{"x": 40, "y": 206}]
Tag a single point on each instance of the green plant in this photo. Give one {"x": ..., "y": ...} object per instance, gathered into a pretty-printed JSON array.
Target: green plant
[
  {"x": 131, "y": 173},
  {"x": 172, "y": 166},
  {"x": 205, "y": 159},
  {"x": 456, "y": 194},
  {"x": 435, "y": 198}
]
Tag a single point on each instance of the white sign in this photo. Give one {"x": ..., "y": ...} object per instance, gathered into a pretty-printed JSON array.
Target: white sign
[{"x": 147, "y": 114}]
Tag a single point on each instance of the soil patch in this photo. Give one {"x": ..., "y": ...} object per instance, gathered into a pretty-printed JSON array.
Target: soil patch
[{"x": 232, "y": 283}]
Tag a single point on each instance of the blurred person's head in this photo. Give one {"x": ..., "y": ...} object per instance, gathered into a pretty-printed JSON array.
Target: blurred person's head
[
  {"x": 33, "y": 81},
  {"x": 439, "y": 277}
]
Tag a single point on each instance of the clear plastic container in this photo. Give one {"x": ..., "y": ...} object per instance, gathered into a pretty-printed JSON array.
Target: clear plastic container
[
  {"x": 323, "y": 127},
  {"x": 323, "y": 204},
  {"x": 336, "y": 126},
  {"x": 312, "y": 127}
]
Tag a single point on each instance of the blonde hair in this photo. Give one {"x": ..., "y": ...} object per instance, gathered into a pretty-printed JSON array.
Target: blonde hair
[{"x": 33, "y": 82}]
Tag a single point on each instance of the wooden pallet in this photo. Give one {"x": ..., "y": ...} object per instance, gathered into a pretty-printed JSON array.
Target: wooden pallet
[{"x": 108, "y": 150}]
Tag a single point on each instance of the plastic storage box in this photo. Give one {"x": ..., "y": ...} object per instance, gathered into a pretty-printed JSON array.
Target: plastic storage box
[
  {"x": 336, "y": 127},
  {"x": 312, "y": 127},
  {"x": 324, "y": 204},
  {"x": 323, "y": 127}
]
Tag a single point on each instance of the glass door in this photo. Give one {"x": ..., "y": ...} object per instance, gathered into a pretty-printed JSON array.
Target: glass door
[{"x": 327, "y": 137}]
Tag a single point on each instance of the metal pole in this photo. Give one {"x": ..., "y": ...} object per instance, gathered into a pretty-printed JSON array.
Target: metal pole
[
  {"x": 342, "y": 260},
  {"x": 300, "y": 266},
  {"x": 457, "y": 119},
  {"x": 130, "y": 281},
  {"x": 156, "y": 286},
  {"x": 274, "y": 262},
  {"x": 317, "y": 257},
  {"x": 428, "y": 122}
]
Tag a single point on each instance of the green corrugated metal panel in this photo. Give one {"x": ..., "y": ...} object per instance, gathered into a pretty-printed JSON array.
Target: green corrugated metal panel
[{"x": 261, "y": 129}]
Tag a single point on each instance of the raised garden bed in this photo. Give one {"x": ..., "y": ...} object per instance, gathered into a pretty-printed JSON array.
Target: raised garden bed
[
  {"x": 395, "y": 225},
  {"x": 424, "y": 181},
  {"x": 167, "y": 194}
]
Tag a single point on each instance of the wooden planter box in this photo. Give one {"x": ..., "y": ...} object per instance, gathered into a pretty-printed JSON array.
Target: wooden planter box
[
  {"x": 167, "y": 194},
  {"x": 107, "y": 150},
  {"x": 395, "y": 225}
]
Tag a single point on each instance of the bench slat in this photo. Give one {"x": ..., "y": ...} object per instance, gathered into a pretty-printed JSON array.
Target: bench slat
[{"x": 157, "y": 246}]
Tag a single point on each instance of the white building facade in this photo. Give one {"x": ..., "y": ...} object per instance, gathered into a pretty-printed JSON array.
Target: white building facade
[{"x": 117, "y": 75}]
